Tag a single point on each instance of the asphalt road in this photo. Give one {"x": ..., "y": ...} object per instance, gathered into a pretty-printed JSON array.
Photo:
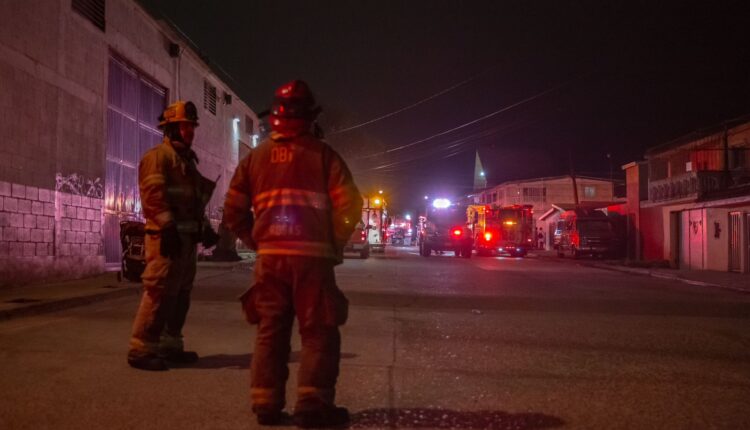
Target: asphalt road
[{"x": 437, "y": 342}]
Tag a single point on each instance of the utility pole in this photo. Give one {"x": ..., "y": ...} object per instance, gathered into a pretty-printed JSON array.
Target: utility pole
[
  {"x": 573, "y": 178},
  {"x": 611, "y": 176},
  {"x": 725, "y": 144}
]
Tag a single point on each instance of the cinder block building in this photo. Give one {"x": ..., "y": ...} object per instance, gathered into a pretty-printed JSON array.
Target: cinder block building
[{"x": 82, "y": 83}]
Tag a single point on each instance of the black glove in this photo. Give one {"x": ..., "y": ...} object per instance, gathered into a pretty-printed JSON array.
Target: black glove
[
  {"x": 209, "y": 237},
  {"x": 170, "y": 242}
]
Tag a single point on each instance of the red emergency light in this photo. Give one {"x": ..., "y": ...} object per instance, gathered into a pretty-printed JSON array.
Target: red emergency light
[
  {"x": 487, "y": 236},
  {"x": 457, "y": 232}
]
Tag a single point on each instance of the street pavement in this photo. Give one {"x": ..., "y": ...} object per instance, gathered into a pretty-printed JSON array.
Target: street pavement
[{"x": 439, "y": 342}]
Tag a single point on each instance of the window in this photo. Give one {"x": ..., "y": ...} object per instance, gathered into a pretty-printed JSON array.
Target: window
[
  {"x": 249, "y": 125},
  {"x": 93, "y": 10},
  {"x": 739, "y": 158},
  {"x": 589, "y": 191},
  {"x": 209, "y": 97},
  {"x": 657, "y": 169},
  {"x": 536, "y": 194}
]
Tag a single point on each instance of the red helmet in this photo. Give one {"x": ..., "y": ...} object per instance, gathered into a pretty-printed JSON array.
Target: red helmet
[
  {"x": 293, "y": 108},
  {"x": 294, "y": 100}
]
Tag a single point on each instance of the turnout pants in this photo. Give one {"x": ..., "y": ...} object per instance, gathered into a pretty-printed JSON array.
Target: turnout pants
[
  {"x": 285, "y": 287},
  {"x": 165, "y": 302}
]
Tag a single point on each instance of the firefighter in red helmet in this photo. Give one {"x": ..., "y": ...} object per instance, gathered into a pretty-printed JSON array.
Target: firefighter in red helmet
[
  {"x": 305, "y": 207},
  {"x": 174, "y": 197}
]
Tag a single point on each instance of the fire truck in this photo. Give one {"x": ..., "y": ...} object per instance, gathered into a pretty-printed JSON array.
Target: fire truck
[
  {"x": 502, "y": 230},
  {"x": 370, "y": 232},
  {"x": 375, "y": 214}
]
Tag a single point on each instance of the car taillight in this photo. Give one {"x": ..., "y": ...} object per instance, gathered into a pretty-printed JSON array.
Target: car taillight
[
  {"x": 488, "y": 236},
  {"x": 457, "y": 232}
]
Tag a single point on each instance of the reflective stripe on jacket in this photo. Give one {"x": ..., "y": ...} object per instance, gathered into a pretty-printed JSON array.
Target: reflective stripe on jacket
[
  {"x": 302, "y": 194},
  {"x": 169, "y": 185}
]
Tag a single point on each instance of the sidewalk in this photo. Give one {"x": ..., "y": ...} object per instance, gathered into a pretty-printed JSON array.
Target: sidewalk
[
  {"x": 706, "y": 278},
  {"x": 47, "y": 297}
]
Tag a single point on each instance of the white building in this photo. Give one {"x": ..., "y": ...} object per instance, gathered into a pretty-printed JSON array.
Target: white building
[
  {"x": 83, "y": 83},
  {"x": 689, "y": 201}
]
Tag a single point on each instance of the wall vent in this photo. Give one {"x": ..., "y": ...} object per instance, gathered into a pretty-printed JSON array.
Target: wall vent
[
  {"x": 93, "y": 10},
  {"x": 209, "y": 97}
]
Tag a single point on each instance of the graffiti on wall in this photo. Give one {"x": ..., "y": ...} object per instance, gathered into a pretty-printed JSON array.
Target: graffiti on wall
[{"x": 80, "y": 185}]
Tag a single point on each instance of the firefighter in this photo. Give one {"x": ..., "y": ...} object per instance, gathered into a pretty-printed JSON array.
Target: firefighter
[
  {"x": 305, "y": 207},
  {"x": 174, "y": 196}
]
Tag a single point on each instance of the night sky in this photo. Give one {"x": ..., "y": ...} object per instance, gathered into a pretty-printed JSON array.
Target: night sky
[{"x": 552, "y": 78}]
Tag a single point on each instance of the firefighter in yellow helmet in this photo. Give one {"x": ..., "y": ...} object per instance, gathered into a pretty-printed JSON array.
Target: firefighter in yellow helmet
[
  {"x": 305, "y": 207},
  {"x": 174, "y": 197}
]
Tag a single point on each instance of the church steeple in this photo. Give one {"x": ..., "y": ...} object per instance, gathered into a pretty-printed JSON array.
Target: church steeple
[{"x": 480, "y": 180}]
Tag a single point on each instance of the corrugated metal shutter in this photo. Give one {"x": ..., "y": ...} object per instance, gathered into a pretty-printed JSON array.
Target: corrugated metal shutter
[{"x": 133, "y": 106}]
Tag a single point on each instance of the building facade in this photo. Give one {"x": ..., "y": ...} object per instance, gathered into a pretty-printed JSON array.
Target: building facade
[
  {"x": 78, "y": 108},
  {"x": 546, "y": 195},
  {"x": 689, "y": 201}
]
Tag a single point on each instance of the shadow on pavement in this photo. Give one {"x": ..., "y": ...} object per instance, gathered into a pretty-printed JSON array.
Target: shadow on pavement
[
  {"x": 239, "y": 361},
  {"x": 446, "y": 418}
]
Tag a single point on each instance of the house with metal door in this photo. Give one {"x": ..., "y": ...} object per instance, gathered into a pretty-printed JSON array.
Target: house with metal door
[
  {"x": 689, "y": 201},
  {"x": 83, "y": 83}
]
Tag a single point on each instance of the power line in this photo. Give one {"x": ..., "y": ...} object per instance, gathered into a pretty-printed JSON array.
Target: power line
[
  {"x": 398, "y": 111},
  {"x": 482, "y": 118},
  {"x": 455, "y": 146}
]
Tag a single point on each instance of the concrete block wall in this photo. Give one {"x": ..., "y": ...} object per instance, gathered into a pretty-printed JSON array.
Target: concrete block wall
[
  {"x": 45, "y": 234},
  {"x": 53, "y": 119}
]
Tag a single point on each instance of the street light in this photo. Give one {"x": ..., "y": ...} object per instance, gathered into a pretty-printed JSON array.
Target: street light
[
  {"x": 441, "y": 203},
  {"x": 380, "y": 191},
  {"x": 426, "y": 197}
]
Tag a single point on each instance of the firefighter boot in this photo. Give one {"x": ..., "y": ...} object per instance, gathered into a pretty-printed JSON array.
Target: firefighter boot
[
  {"x": 147, "y": 362},
  {"x": 326, "y": 416},
  {"x": 272, "y": 417}
]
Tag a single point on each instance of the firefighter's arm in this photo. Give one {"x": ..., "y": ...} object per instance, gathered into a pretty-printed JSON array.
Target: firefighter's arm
[
  {"x": 345, "y": 198},
  {"x": 238, "y": 217},
  {"x": 152, "y": 184}
]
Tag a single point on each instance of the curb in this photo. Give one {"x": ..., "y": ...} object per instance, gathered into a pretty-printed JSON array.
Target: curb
[
  {"x": 648, "y": 272},
  {"x": 67, "y": 303},
  {"x": 44, "y": 306}
]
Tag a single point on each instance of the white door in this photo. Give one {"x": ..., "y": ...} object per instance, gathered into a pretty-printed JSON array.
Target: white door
[
  {"x": 691, "y": 240},
  {"x": 735, "y": 241}
]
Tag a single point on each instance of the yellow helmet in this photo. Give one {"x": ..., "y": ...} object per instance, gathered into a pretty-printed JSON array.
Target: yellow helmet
[{"x": 179, "y": 111}]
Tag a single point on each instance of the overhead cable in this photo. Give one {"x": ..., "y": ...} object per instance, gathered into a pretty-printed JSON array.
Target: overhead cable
[{"x": 398, "y": 111}]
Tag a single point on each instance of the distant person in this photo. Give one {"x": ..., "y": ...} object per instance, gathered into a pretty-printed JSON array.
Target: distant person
[
  {"x": 540, "y": 238},
  {"x": 305, "y": 207},
  {"x": 174, "y": 197}
]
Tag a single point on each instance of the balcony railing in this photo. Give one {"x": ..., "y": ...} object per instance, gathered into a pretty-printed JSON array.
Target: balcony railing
[{"x": 690, "y": 185}]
